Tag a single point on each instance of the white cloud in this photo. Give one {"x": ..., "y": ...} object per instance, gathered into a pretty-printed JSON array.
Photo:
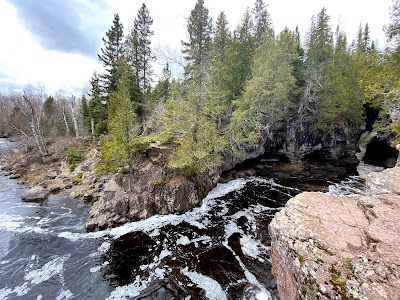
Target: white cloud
[{"x": 23, "y": 60}]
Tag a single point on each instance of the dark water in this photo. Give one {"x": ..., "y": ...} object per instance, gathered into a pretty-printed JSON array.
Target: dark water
[{"x": 217, "y": 251}]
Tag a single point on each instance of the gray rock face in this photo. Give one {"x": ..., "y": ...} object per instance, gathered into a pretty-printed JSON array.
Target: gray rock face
[
  {"x": 152, "y": 189},
  {"x": 35, "y": 194},
  {"x": 329, "y": 247}
]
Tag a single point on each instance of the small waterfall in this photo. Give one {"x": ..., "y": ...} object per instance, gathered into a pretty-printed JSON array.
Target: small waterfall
[{"x": 364, "y": 169}]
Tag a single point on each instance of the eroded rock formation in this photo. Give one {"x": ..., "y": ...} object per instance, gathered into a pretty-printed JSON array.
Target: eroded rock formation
[
  {"x": 340, "y": 247},
  {"x": 151, "y": 189}
]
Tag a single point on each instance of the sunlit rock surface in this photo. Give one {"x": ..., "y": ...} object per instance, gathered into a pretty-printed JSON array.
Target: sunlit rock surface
[{"x": 327, "y": 246}]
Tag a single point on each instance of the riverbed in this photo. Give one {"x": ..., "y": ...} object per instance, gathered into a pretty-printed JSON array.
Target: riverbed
[{"x": 220, "y": 250}]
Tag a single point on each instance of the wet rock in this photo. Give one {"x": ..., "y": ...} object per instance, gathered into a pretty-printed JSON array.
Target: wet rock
[
  {"x": 15, "y": 176},
  {"x": 329, "y": 247},
  {"x": 35, "y": 194},
  {"x": 151, "y": 189}
]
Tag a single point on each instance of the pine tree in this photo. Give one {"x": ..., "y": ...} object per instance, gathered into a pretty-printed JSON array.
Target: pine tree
[
  {"x": 266, "y": 99},
  {"x": 196, "y": 49},
  {"x": 110, "y": 55},
  {"x": 262, "y": 22},
  {"x": 320, "y": 51},
  {"x": 139, "y": 53},
  {"x": 97, "y": 106},
  {"x": 239, "y": 57},
  {"x": 161, "y": 90},
  {"x": 342, "y": 94},
  {"x": 122, "y": 141}
]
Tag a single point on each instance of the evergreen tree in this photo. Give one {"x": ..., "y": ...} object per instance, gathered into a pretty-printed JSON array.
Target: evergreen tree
[
  {"x": 196, "y": 49},
  {"x": 363, "y": 44},
  {"x": 239, "y": 57},
  {"x": 97, "y": 106},
  {"x": 191, "y": 116},
  {"x": 161, "y": 90},
  {"x": 122, "y": 141},
  {"x": 85, "y": 114},
  {"x": 298, "y": 64},
  {"x": 48, "y": 121},
  {"x": 110, "y": 55},
  {"x": 342, "y": 94},
  {"x": 320, "y": 51},
  {"x": 139, "y": 53},
  {"x": 266, "y": 99},
  {"x": 218, "y": 66},
  {"x": 393, "y": 30},
  {"x": 262, "y": 22}
]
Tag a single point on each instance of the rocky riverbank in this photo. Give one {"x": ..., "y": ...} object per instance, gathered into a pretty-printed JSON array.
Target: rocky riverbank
[
  {"x": 52, "y": 174},
  {"x": 327, "y": 246}
]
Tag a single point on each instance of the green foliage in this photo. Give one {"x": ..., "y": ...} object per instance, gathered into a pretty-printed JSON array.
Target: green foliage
[
  {"x": 191, "y": 119},
  {"x": 396, "y": 131},
  {"x": 113, "y": 155},
  {"x": 110, "y": 55},
  {"x": 266, "y": 98},
  {"x": 160, "y": 181},
  {"x": 342, "y": 94},
  {"x": 77, "y": 179},
  {"x": 74, "y": 156},
  {"x": 139, "y": 57},
  {"x": 196, "y": 49},
  {"x": 97, "y": 107},
  {"x": 239, "y": 57}
]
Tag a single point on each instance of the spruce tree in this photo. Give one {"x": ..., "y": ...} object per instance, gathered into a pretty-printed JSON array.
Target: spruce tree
[
  {"x": 97, "y": 106},
  {"x": 319, "y": 55},
  {"x": 239, "y": 57},
  {"x": 139, "y": 53},
  {"x": 262, "y": 22},
  {"x": 117, "y": 147},
  {"x": 341, "y": 99},
  {"x": 110, "y": 55},
  {"x": 266, "y": 99},
  {"x": 218, "y": 66},
  {"x": 196, "y": 49}
]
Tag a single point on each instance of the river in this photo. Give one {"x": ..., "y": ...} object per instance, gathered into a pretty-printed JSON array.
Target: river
[{"x": 220, "y": 250}]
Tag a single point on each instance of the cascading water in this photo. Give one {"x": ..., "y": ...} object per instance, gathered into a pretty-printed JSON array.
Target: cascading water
[{"x": 217, "y": 251}]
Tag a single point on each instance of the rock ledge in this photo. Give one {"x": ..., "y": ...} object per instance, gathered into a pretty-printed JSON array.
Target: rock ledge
[{"x": 347, "y": 247}]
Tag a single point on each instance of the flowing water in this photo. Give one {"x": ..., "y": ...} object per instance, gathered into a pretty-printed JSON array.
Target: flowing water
[{"x": 220, "y": 250}]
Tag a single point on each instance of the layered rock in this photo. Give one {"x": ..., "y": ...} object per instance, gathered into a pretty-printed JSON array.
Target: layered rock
[
  {"x": 153, "y": 188},
  {"x": 347, "y": 247}
]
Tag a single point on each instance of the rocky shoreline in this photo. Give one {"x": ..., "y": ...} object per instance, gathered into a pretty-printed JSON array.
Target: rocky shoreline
[
  {"x": 323, "y": 246},
  {"x": 51, "y": 174},
  {"x": 328, "y": 246}
]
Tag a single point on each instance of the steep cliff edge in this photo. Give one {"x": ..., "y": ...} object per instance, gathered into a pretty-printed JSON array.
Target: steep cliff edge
[
  {"x": 151, "y": 189},
  {"x": 340, "y": 247}
]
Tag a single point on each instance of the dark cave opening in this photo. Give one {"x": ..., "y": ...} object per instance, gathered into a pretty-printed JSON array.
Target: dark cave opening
[
  {"x": 371, "y": 115},
  {"x": 380, "y": 154}
]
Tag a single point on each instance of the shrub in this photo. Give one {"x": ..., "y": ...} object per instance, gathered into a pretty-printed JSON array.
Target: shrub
[
  {"x": 77, "y": 179},
  {"x": 74, "y": 156}
]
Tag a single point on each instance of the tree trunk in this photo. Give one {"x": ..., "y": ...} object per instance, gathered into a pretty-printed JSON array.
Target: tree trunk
[{"x": 38, "y": 137}]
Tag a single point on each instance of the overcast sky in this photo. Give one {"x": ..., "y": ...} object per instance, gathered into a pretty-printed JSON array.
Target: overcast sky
[{"x": 56, "y": 41}]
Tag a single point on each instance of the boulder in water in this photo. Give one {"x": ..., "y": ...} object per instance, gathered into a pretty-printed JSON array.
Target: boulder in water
[{"x": 35, "y": 194}]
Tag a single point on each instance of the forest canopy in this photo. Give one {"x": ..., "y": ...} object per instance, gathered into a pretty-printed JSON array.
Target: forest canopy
[{"x": 239, "y": 86}]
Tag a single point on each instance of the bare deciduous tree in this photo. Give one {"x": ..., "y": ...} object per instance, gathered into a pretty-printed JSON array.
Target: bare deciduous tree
[{"x": 28, "y": 105}]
